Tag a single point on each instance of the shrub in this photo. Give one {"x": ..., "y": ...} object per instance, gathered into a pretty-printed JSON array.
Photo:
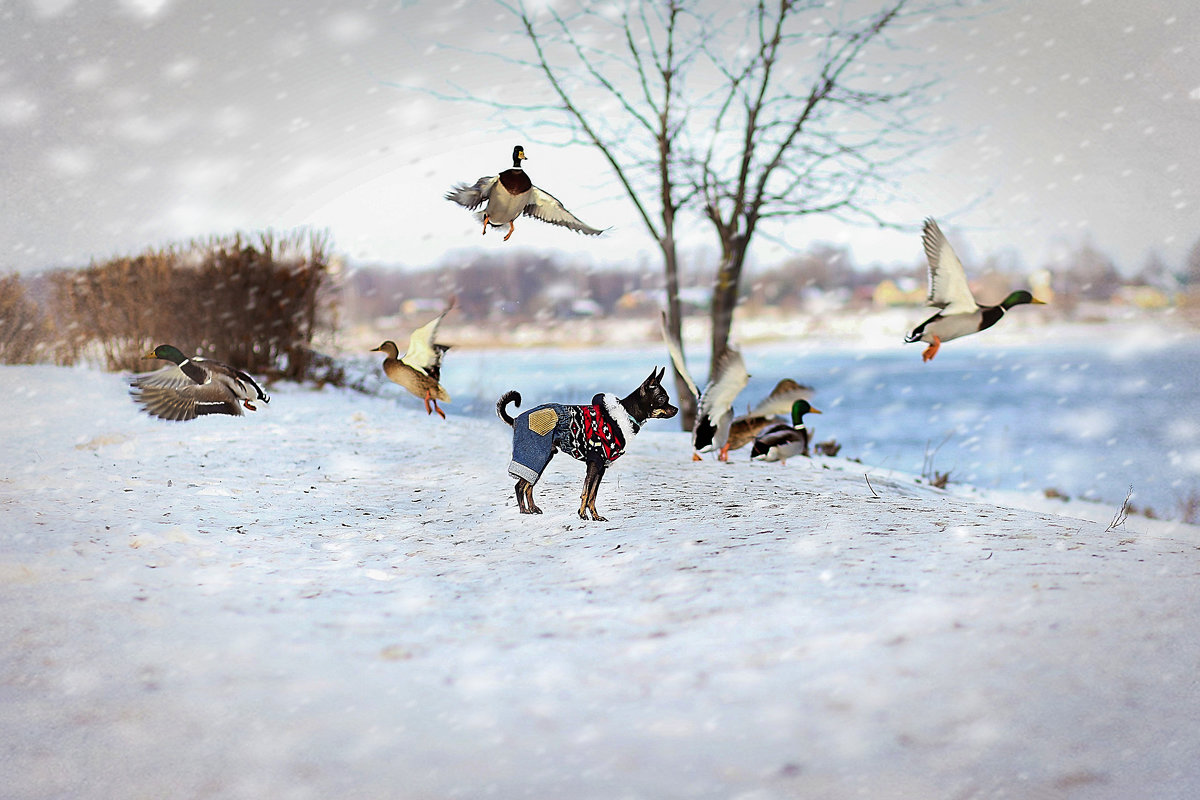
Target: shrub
[
  {"x": 24, "y": 328},
  {"x": 254, "y": 301}
]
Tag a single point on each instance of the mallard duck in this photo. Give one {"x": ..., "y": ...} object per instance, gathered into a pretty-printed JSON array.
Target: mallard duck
[
  {"x": 420, "y": 368},
  {"x": 511, "y": 194},
  {"x": 714, "y": 406},
  {"x": 948, "y": 290},
  {"x": 781, "y": 442},
  {"x": 743, "y": 429},
  {"x": 193, "y": 387}
]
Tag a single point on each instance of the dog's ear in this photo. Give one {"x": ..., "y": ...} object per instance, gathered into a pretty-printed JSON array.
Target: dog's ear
[{"x": 656, "y": 376}]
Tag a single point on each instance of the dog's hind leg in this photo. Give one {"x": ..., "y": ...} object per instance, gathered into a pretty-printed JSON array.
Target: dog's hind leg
[
  {"x": 525, "y": 497},
  {"x": 533, "y": 509},
  {"x": 591, "y": 488}
]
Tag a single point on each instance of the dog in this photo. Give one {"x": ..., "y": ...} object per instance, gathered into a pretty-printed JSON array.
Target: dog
[{"x": 595, "y": 434}]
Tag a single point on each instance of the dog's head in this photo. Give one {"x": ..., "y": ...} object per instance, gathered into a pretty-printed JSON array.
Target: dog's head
[{"x": 655, "y": 400}]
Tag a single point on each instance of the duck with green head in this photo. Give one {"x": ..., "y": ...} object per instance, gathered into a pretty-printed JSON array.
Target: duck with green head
[
  {"x": 510, "y": 194},
  {"x": 960, "y": 314},
  {"x": 743, "y": 429},
  {"x": 194, "y": 387},
  {"x": 781, "y": 442}
]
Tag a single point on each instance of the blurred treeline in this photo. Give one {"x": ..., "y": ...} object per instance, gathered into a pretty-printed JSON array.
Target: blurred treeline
[
  {"x": 521, "y": 286},
  {"x": 253, "y": 300},
  {"x": 260, "y": 300}
]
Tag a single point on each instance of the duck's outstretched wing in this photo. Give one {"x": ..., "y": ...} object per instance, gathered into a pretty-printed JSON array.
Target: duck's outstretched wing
[
  {"x": 171, "y": 377},
  {"x": 544, "y": 206},
  {"x": 473, "y": 197},
  {"x": 676, "y": 353},
  {"x": 724, "y": 385},
  {"x": 424, "y": 354},
  {"x": 780, "y": 400},
  {"x": 948, "y": 289},
  {"x": 166, "y": 398}
]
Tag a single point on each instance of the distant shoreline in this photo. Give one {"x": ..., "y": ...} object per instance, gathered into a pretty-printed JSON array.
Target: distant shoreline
[{"x": 872, "y": 329}]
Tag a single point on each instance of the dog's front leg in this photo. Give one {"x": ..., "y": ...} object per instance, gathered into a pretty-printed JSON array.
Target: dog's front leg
[{"x": 591, "y": 488}]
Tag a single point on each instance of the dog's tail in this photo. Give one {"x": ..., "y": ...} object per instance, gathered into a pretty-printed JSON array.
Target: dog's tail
[{"x": 505, "y": 399}]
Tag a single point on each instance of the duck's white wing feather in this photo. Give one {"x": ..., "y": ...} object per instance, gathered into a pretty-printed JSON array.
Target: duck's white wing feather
[
  {"x": 473, "y": 197},
  {"x": 423, "y": 353},
  {"x": 723, "y": 387},
  {"x": 948, "y": 289},
  {"x": 171, "y": 377},
  {"x": 677, "y": 355},
  {"x": 543, "y": 205}
]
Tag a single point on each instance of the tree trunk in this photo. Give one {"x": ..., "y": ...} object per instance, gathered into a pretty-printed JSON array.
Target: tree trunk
[
  {"x": 726, "y": 287},
  {"x": 684, "y": 398}
]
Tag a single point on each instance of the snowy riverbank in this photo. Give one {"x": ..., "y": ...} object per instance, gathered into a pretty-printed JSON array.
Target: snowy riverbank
[{"x": 335, "y": 597}]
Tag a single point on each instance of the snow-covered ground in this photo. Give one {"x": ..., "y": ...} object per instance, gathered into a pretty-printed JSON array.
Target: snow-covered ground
[{"x": 336, "y": 597}]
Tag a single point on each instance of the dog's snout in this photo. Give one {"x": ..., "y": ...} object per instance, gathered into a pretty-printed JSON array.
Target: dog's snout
[{"x": 664, "y": 413}]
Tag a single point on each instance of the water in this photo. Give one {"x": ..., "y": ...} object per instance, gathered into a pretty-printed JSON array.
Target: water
[{"x": 1089, "y": 420}]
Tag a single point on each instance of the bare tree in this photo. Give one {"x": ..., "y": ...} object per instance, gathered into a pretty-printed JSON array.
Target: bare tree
[
  {"x": 803, "y": 124},
  {"x": 636, "y": 73},
  {"x": 742, "y": 113}
]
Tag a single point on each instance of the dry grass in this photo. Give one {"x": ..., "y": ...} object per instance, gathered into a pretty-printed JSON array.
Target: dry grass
[
  {"x": 25, "y": 330},
  {"x": 255, "y": 301}
]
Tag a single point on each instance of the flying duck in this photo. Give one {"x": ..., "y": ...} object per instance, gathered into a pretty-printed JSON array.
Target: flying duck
[
  {"x": 511, "y": 194},
  {"x": 419, "y": 369},
  {"x": 193, "y": 387},
  {"x": 714, "y": 406},
  {"x": 960, "y": 315},
  {"x": 781, "y": 442}
]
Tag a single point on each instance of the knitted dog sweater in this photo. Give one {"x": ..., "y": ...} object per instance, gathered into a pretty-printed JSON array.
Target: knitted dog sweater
[{"x": 597, "y": 431}]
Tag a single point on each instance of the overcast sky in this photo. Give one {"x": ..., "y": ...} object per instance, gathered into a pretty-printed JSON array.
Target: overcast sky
[{"x": 131, "y": 123}]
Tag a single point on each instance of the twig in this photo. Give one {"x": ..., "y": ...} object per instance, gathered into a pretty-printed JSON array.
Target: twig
[
  {"x": 1122, "y": 513},
  {"x": 927, "y": 471},
  {"x": 869, "y": 486}
]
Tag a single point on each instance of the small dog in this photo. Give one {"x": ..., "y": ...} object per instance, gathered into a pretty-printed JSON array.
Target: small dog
[{"x": 595, "y": 434}]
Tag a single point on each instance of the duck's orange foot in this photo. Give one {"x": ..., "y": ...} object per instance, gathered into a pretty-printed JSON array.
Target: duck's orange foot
[
  {"x": 485, "y": 224},
  {"x": 247, "y": 404},
  {"x": 511, "y": 226},
  {"x": 723, "y": 455},
  {"x": 932, "y": 350},
  {"x": 429, "y": 398},
  {"x": 696, "y": 456}
]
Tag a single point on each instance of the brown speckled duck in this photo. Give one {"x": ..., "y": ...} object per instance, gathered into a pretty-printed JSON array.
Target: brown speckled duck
[{"x": 419, "y": 370}]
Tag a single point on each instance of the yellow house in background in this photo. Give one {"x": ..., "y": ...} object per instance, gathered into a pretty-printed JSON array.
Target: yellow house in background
[
  {"x": 888, "y": 293},
  {"x": 1144, "y": 297}
]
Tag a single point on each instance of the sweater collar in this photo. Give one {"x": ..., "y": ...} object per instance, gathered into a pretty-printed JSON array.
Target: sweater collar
[{"x": 612, "y": 406}]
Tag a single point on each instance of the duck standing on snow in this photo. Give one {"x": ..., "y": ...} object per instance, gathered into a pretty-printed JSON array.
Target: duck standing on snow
[
  {"x": 193, "y": 387},
  {"x": 743, "y": 429},
  {"x": 781, "y": 442},
  {"x": 511, "y": 194},
  {"x": 948, "y": 290},
  {"x": 420, "y": 368},
  {"x": 714, "y": 406}
]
